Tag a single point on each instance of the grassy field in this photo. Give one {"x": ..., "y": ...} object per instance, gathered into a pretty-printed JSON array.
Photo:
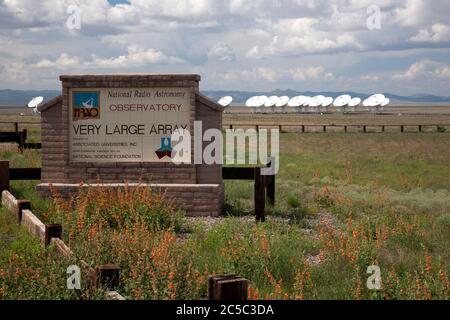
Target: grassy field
[{"x": 343, "y": 202}]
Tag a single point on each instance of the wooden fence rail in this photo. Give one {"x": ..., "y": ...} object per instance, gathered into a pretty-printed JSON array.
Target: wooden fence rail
[
  {"x": 220, "y": 287},
  {"x": 102, "y": 276},
  {"x": 345, "y": 127},
  {"x": 264, "y": 184}
]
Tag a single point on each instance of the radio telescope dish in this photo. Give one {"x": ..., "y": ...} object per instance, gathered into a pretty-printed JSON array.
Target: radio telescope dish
[
  {"x": 225, "y": 101},
  {"x": 296, "y": 101},
  {"x": 342, "y": 100},
  {"x": 374, "y": 100},
  {"x": 316, "y": 101},
  {"x": 35, "y": 102},
  {"x": 260, "y": 101},
  {"x": 306, "y": 101},
  {"x": 271, "y": 101},
  {"x": 354, "y": 102},
  {"x": 251, "y": 102},
  {"x": 282, "y": 101},
  {"x": 327, "y": 101},
  {"x": 385, "y": 102}
]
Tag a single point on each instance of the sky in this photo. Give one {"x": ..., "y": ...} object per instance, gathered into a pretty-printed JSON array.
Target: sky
[{"x": 396, "y": 46}]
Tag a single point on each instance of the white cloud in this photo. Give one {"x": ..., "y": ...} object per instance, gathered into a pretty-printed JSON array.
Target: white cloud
[
  {"x": 425, "y": 69},
  {"x": 437, "y": 33},
  {"x": 263, "y": 42},
  {"x": 136, "y": 57},
  {"x": 297, "y": 74},
  {"x": 222, "y": 52}
]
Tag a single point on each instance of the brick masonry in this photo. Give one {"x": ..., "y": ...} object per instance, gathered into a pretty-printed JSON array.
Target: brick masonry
[{"x": 59, "y": 171}]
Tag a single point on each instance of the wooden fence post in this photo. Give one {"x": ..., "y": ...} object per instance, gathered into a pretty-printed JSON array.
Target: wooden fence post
[
  {"x": 364, "y": 129},
  {"x": 52, "y": 231},
  {"x": 4, "y": 175},
  {"x": 382, "y": 128},
  {"x": 420, "y": 128},
  {"x": 303, "y": 128},
  {"x": 402, "y": 128},
  {"x": 16, "y": 127},
  {"x": 270, "y": 184},
  {"x": 260, "y": 195},
  {"x": 345, "y": 129},
  {"x": 107, "y": 275},
  {"x": 22, "y": 138},
  {"x": 227, "y": 287},
  {"x": 324, "y": 128},
  {"x": 22, "y": 205}
]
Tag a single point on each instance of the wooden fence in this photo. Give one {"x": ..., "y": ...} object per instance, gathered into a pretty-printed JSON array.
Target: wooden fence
[
  {"x": 104, "y": 276},
  {"x": 344, "y": 127},
  {"x": 19, "y": 136},
  {"x": 264, "y": 187},
  {"x": 220, "y": 287}
]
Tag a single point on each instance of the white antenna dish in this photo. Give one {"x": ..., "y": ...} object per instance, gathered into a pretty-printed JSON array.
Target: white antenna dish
[
  {"x": 354, "y": 102},
  {"x": 374, "y": 100},
  {"x": 385, "y": 102},
  {"x": 225, "y": 101},
  {"x": 342, "y": 100},
  {"x": 251, "y": 101},
  {"x": 271, "y": 101},
  {"x": 35, "y": 102},
  {"x": 316, "y": 101},
  {"x": 282, "y": 101},
  {"x": 327, "y": 101},
  {"x": 260, "y": 101},
  {"x": 296, "y": 101},
  {"x": 306, "y": 101}
]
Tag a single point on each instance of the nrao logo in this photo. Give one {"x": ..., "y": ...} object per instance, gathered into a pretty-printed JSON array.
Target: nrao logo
[{"x": 85, "y": 105}]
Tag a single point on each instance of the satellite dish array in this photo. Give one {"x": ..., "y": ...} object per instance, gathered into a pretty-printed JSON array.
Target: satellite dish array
[
  {"x": 318, "y": 103},
  {"x": 35, "y": 103}
]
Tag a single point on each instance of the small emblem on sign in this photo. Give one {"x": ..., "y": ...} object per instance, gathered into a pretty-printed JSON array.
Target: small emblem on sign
[
  {"x": 166, "y": 148},
  {"x": 86, "y": 105}
]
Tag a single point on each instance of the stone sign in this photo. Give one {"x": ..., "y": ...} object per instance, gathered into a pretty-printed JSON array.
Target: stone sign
[
  {"x": 109, "y": 130},
  {"x": 126, "y": 124}
]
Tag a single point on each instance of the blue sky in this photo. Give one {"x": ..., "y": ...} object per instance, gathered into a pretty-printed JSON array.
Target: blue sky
[{"x": 398, "y": 46}]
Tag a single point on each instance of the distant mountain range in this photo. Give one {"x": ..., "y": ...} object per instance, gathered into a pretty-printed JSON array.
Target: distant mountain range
[{"x": 22, "y": 97}]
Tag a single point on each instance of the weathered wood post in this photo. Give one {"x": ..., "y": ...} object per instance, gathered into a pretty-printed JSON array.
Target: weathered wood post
[
  {"x": 345, "y": 129},
  {"x": 21, "y": 139},
  {"x": 382, "y": 128},
  {"x": 324, "y": 128},
  {"x": 16, "y": 127},
  {"x": 227, "y": 287},
  {"x": 364, "y": 129},
  {"x": 4, "y": 175},
  {"x": 107, "y": 275},
  {"x": 402, "y": 128},
  {"x": 270, "y": 184},
  {"x": 420, "y": 128},
  {"x": 52, "y": 231},
  {"x": 303, "y": 128},
  {"x": 260, "y": 195},
  {"x": 22, "y": 205}
]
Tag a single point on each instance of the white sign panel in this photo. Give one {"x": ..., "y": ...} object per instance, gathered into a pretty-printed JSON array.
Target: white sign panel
[{"x": 126, "y": 124}]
